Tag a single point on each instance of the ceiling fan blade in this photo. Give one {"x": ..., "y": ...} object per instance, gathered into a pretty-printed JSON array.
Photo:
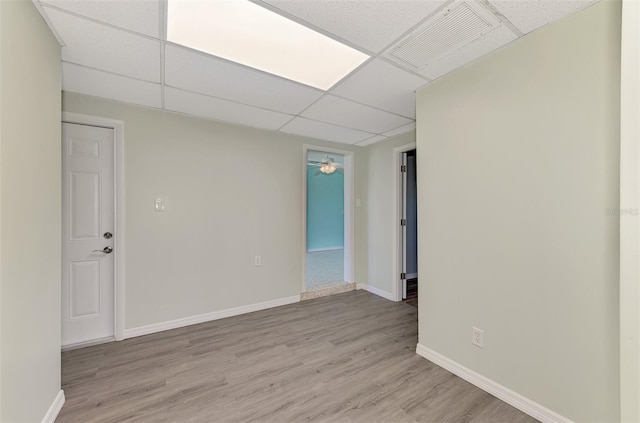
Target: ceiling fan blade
[{"x": 317, "y": 172}]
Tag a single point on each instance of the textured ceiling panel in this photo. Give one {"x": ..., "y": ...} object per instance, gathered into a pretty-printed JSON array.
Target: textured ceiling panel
[
  {"x": 223, "y": 110},
  {"x": 101, "y": 84},
  {"x": 489, "y": 42},
  {"x": 353, "y": 115},
  {"x": 141, "y": 16},
  {"x": 533, "y": 14},
  {"x": 400, "y": 130},
  {"x": 370, "y": 24},
  {"x": 372, "y": 140},
  {"x": 384, "y": 86},
  {"x": 197, "y": 72},
  {"x": 106, "y": 48},
  {"x": 324, "y": 131}
]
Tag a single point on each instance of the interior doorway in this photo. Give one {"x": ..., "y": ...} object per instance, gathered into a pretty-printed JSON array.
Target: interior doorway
[
  {"x": 101, "y": 140},
  {"x": 409, "y": 231},
  {"x": 328, "y": 217},
  {"x": 405, "y": 225},
  {"x": 88, "y": 226}
]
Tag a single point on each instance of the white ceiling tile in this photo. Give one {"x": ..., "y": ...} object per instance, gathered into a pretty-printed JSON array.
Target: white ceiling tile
[
  {"x": 483, "y": 45},
  {"x": 324, "y": 131},
  {"x": 141, "y": 16},
  {"x": 105, "y": 48},
  {"x": 101, "y": 84},
  {"x": 372, "y": 25},
  {"x": 346, "y": 113},
  {"x": 197, "y": 72},
  {"x": 223, "y": 110},
  {"x": 401, "y": 130},
  {"x": 528, "y": 15},
  {"x": 384, "y": 86},
  {"x": 372, "y": 140}
]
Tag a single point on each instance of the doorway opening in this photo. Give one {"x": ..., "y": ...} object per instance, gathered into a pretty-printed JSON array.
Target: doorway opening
[
  {"x": 328, "y": 228},
  {"x": 410, "y": 228},
  {"x": 405, "y": 224}
]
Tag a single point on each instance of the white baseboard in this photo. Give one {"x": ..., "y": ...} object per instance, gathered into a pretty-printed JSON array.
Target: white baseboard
[
  {"x": 514, "y": 399},
  {"x": 69, "y": 347},
  {"x": 207, "y": 317},
  {"x": 377, "y": 291},
  {"x": 55, "y": 408}
]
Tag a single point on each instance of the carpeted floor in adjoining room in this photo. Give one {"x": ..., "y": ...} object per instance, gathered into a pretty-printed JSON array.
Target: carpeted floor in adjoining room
[{"x": 324, "y": 269}]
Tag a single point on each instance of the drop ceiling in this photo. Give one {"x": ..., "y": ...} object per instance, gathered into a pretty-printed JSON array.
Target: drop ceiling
[{"x": 117, "y": 49}]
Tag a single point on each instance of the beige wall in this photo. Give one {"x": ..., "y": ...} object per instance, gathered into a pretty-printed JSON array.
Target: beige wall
[
  {"x": 29, "y": 214},
  {"x": 518, "y": 163},
  {"x": 233, "y": 193},
  {"x": 380, "y": 211}
]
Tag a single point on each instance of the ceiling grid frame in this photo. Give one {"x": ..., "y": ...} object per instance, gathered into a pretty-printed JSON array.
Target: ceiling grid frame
[{"x": 357, "y": 102}]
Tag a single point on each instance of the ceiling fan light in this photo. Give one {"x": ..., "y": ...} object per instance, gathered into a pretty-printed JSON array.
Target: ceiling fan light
[{"x": 328, "y": 168}]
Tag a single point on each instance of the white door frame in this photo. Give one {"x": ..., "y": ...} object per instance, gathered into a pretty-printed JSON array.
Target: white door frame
[
  {"x": 629, "y": 219},
  {"x": 349, "y": 203},
  {"x": 396, "y": 259},
  {"x": 119, "y": 212}
]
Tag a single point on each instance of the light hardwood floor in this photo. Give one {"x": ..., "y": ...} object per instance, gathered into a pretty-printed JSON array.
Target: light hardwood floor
[{"x": 345, "y": 358}]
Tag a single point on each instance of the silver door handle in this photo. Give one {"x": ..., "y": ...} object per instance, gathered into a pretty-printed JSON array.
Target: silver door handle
[{"x": 106, "y": 250}]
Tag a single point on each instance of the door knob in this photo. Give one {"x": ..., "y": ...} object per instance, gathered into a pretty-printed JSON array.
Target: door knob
[{"x": 105, "y": 250}]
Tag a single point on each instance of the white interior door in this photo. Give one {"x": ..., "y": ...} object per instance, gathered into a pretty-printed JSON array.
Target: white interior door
[{"x": 87, "y": 234}]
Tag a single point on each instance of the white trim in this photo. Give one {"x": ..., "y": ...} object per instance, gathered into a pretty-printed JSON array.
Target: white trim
[
  {"x": 396, "y": 259},
  {"x": 512, "y": 398},
  {"x": 55, "y": 408},
  {"x": 349, "y": 203},
  {"x": 629, "y": 220},
  {"x": 85, "y": 344},
  {"x": 45, "y": 17},
  {"x": 120, "y": 227},
  {"x": 207, "y": 317},
  {"x": 318, "y": 250},
  {"x": 377, "y": 291}
]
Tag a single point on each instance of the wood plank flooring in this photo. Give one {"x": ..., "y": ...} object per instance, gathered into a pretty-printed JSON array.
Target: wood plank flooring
[{"x": 345, "y": 358}]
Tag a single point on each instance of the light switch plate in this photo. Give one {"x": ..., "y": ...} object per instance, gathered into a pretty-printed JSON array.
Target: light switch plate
[{"x": 160, "y": 205}]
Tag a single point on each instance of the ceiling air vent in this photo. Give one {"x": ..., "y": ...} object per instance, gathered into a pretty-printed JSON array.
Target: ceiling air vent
[{"x": 450, "y": 29}]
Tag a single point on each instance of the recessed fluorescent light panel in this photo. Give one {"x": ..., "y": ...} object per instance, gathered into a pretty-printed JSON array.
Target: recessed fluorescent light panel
[{"x": 246, "y": 33}]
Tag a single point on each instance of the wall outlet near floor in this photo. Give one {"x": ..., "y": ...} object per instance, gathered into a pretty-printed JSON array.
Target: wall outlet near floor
[
  {"x": 477, "y": 337},
  {"x": 257, "y": 261}
]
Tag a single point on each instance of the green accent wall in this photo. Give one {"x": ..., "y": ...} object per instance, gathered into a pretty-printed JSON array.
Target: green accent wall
[{"x": 325, "y": 205}]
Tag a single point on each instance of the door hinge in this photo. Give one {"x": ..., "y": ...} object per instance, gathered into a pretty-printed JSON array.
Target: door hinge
[
  {"x": 403, "y": 222},
  {"x": 403, "y": 276},
  {"x": 403, "y": 168}
]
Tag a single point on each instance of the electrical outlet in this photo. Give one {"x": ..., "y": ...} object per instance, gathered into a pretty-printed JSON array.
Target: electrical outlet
[
  {"x": 477, "y": 337},
  {"x": 257, "y": 261}
]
